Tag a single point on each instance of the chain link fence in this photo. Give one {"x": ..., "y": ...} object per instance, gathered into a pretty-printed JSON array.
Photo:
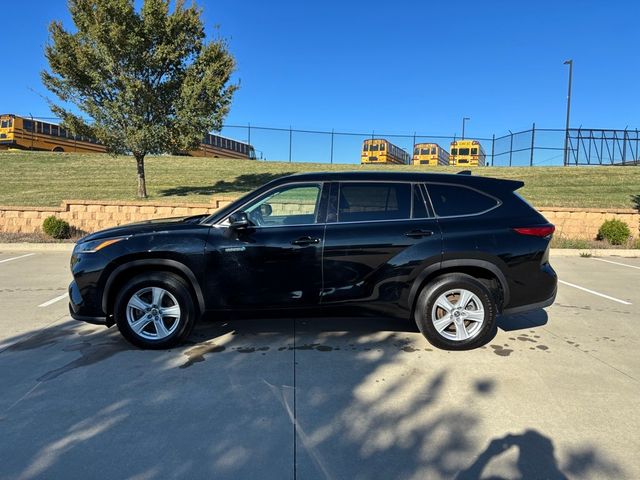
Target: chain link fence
[
  {"x": 328, "y": 146},
  {"x": 532, "y": 147}
]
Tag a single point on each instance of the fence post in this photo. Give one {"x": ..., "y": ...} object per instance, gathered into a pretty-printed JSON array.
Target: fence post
[
  {"x": 249, "y": 133},
  {"x": 533, "y": 140},
  {"x": 510, "y": 148},
  {"x": 576, "y": 154},
  {"x": 332, "y": 145},
  {"x": 624, "y": 147},
  {"x": 493, "y": 146},
  {"x": 290, "y": 141}
]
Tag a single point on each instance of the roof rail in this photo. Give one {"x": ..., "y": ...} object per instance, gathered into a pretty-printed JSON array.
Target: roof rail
[{"x": 464, "y": 172}]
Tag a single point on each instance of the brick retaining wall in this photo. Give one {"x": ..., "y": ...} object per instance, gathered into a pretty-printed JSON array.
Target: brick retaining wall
[
  {"x": 583, "y": 223},
  {"x": 91, "y": 215}
]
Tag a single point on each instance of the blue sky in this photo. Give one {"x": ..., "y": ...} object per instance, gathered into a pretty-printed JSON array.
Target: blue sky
[{"x": 392, "y": 67}]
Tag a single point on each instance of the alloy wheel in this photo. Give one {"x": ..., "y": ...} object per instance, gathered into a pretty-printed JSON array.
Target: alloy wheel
[
  {"x": 153, "y": 313},
  {"x": 458, "y": 314}
]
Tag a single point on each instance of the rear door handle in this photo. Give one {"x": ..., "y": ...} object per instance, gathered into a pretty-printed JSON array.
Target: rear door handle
[
  {"x": 419, "y": 233},
  {"x": 305, "y": 241}
]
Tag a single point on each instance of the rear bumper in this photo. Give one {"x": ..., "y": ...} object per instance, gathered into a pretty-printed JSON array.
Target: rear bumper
[{"x": 532, "y": 306}]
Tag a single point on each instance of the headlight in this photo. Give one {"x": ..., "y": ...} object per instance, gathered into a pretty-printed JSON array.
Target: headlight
[{"x": 95, "y": 245}]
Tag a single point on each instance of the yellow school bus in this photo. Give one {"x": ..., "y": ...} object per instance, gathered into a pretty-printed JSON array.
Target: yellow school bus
[
  {"x": 430, "y": 154},
  {"x": 381, "y": 151},
  {"x": 468, "y": 153},
  {"x": 29, "y": 134},
  {"x": 218, "y": 146}
]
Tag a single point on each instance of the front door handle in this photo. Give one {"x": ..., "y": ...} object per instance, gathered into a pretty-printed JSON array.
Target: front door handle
[
  {"x": 419, "y": 233},
  {"x": 302, "y": 241}
]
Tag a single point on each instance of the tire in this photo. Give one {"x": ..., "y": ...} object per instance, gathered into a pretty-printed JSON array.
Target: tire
[
  {"x": 140, "y": 318},
  {"x": 58, "y": 149},
  {"x": 468, "y": 328}
]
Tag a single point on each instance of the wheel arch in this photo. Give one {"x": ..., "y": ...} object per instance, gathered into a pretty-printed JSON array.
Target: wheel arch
[
  {"x": 479, "y": 269},
  {"x": 127, "y": 270}
]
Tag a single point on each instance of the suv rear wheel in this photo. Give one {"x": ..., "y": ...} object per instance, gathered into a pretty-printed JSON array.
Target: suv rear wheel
[
  {"x": 155, "y": 310},
  {"x": 456, "y": 312}
]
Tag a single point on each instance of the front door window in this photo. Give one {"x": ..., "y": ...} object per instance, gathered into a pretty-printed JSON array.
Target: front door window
[{"x": 288, "y": 205}]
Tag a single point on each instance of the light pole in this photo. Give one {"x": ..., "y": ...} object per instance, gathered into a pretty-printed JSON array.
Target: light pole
[
  {"x": 463, "y": 122},
  {"x": 566, "y": 129}
]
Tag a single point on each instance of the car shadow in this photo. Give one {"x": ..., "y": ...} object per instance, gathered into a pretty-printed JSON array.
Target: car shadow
[
  {"x": 212, "y": 328},
  {"x": 521, "y": 321}
]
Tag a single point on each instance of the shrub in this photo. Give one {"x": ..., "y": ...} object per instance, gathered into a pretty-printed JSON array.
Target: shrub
[
  {"x": 616, "y": 232},
  {"x": 56, "y": 227},
  {"x": 564, "y": 242}
]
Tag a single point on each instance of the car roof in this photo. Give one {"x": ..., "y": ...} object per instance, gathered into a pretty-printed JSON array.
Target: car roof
[{"x": 469, "y": 180}]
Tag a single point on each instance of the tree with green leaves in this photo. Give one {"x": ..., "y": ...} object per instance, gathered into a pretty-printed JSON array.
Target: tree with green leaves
[{"x": 147, "y": 80}]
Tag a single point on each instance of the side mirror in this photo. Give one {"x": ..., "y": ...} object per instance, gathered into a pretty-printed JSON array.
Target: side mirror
[{"x": 239, "y": 221}]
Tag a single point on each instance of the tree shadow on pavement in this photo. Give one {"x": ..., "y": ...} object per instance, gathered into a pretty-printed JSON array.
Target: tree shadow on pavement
[
  {"x": 276, "y": 398},
  {"x": 241, "y": 183}
]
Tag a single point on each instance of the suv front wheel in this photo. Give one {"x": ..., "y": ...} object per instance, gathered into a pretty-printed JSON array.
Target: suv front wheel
[
  {"x": 155, "y": 310},
  {"x": 456, "y": 312}
]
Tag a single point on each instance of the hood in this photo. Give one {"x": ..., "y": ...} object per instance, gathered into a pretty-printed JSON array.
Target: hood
[{"x": 147, "y": 226}]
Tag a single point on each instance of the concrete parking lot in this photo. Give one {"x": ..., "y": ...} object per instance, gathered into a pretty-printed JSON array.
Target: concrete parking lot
[{"x": 555, "y": 394}]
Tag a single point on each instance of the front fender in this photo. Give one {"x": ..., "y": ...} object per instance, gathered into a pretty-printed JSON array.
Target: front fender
[{"x": 153, "y": 262}]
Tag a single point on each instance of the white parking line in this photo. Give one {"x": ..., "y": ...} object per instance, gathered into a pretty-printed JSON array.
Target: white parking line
[
  {"x": 624, "y": 302},
  {"x": 16, "y": 258},
  {"x": 53, "y": 300},
  {"x": 616, "y": 263}
]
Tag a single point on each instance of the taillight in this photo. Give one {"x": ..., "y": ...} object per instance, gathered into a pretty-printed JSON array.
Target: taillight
[{"x": 541, "y": 231}]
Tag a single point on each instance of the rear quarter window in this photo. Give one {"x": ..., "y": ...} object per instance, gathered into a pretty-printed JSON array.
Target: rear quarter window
[{"x": 453, "y": 200}]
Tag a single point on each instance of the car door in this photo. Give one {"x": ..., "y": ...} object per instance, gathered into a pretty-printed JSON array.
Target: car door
[
  {"x": 275, "y": 262},
  {"x": 379, "y": 236}
]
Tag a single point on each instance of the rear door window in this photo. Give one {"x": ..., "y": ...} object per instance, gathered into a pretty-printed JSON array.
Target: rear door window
[
  {"x": 453, "y": 200},
  {"x": 375, "y": 201}
]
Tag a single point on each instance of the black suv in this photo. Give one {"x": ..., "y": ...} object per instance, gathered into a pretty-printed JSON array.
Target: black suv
[{"x": 450, "y": 251}]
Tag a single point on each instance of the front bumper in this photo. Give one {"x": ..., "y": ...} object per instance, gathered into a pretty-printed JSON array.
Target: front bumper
[
  {"x": 79, "y": 310},
  {"x": 87, "y": 319}
]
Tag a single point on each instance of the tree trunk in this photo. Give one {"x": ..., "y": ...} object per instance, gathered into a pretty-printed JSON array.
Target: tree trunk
[{"x": 142, "y": 184}]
